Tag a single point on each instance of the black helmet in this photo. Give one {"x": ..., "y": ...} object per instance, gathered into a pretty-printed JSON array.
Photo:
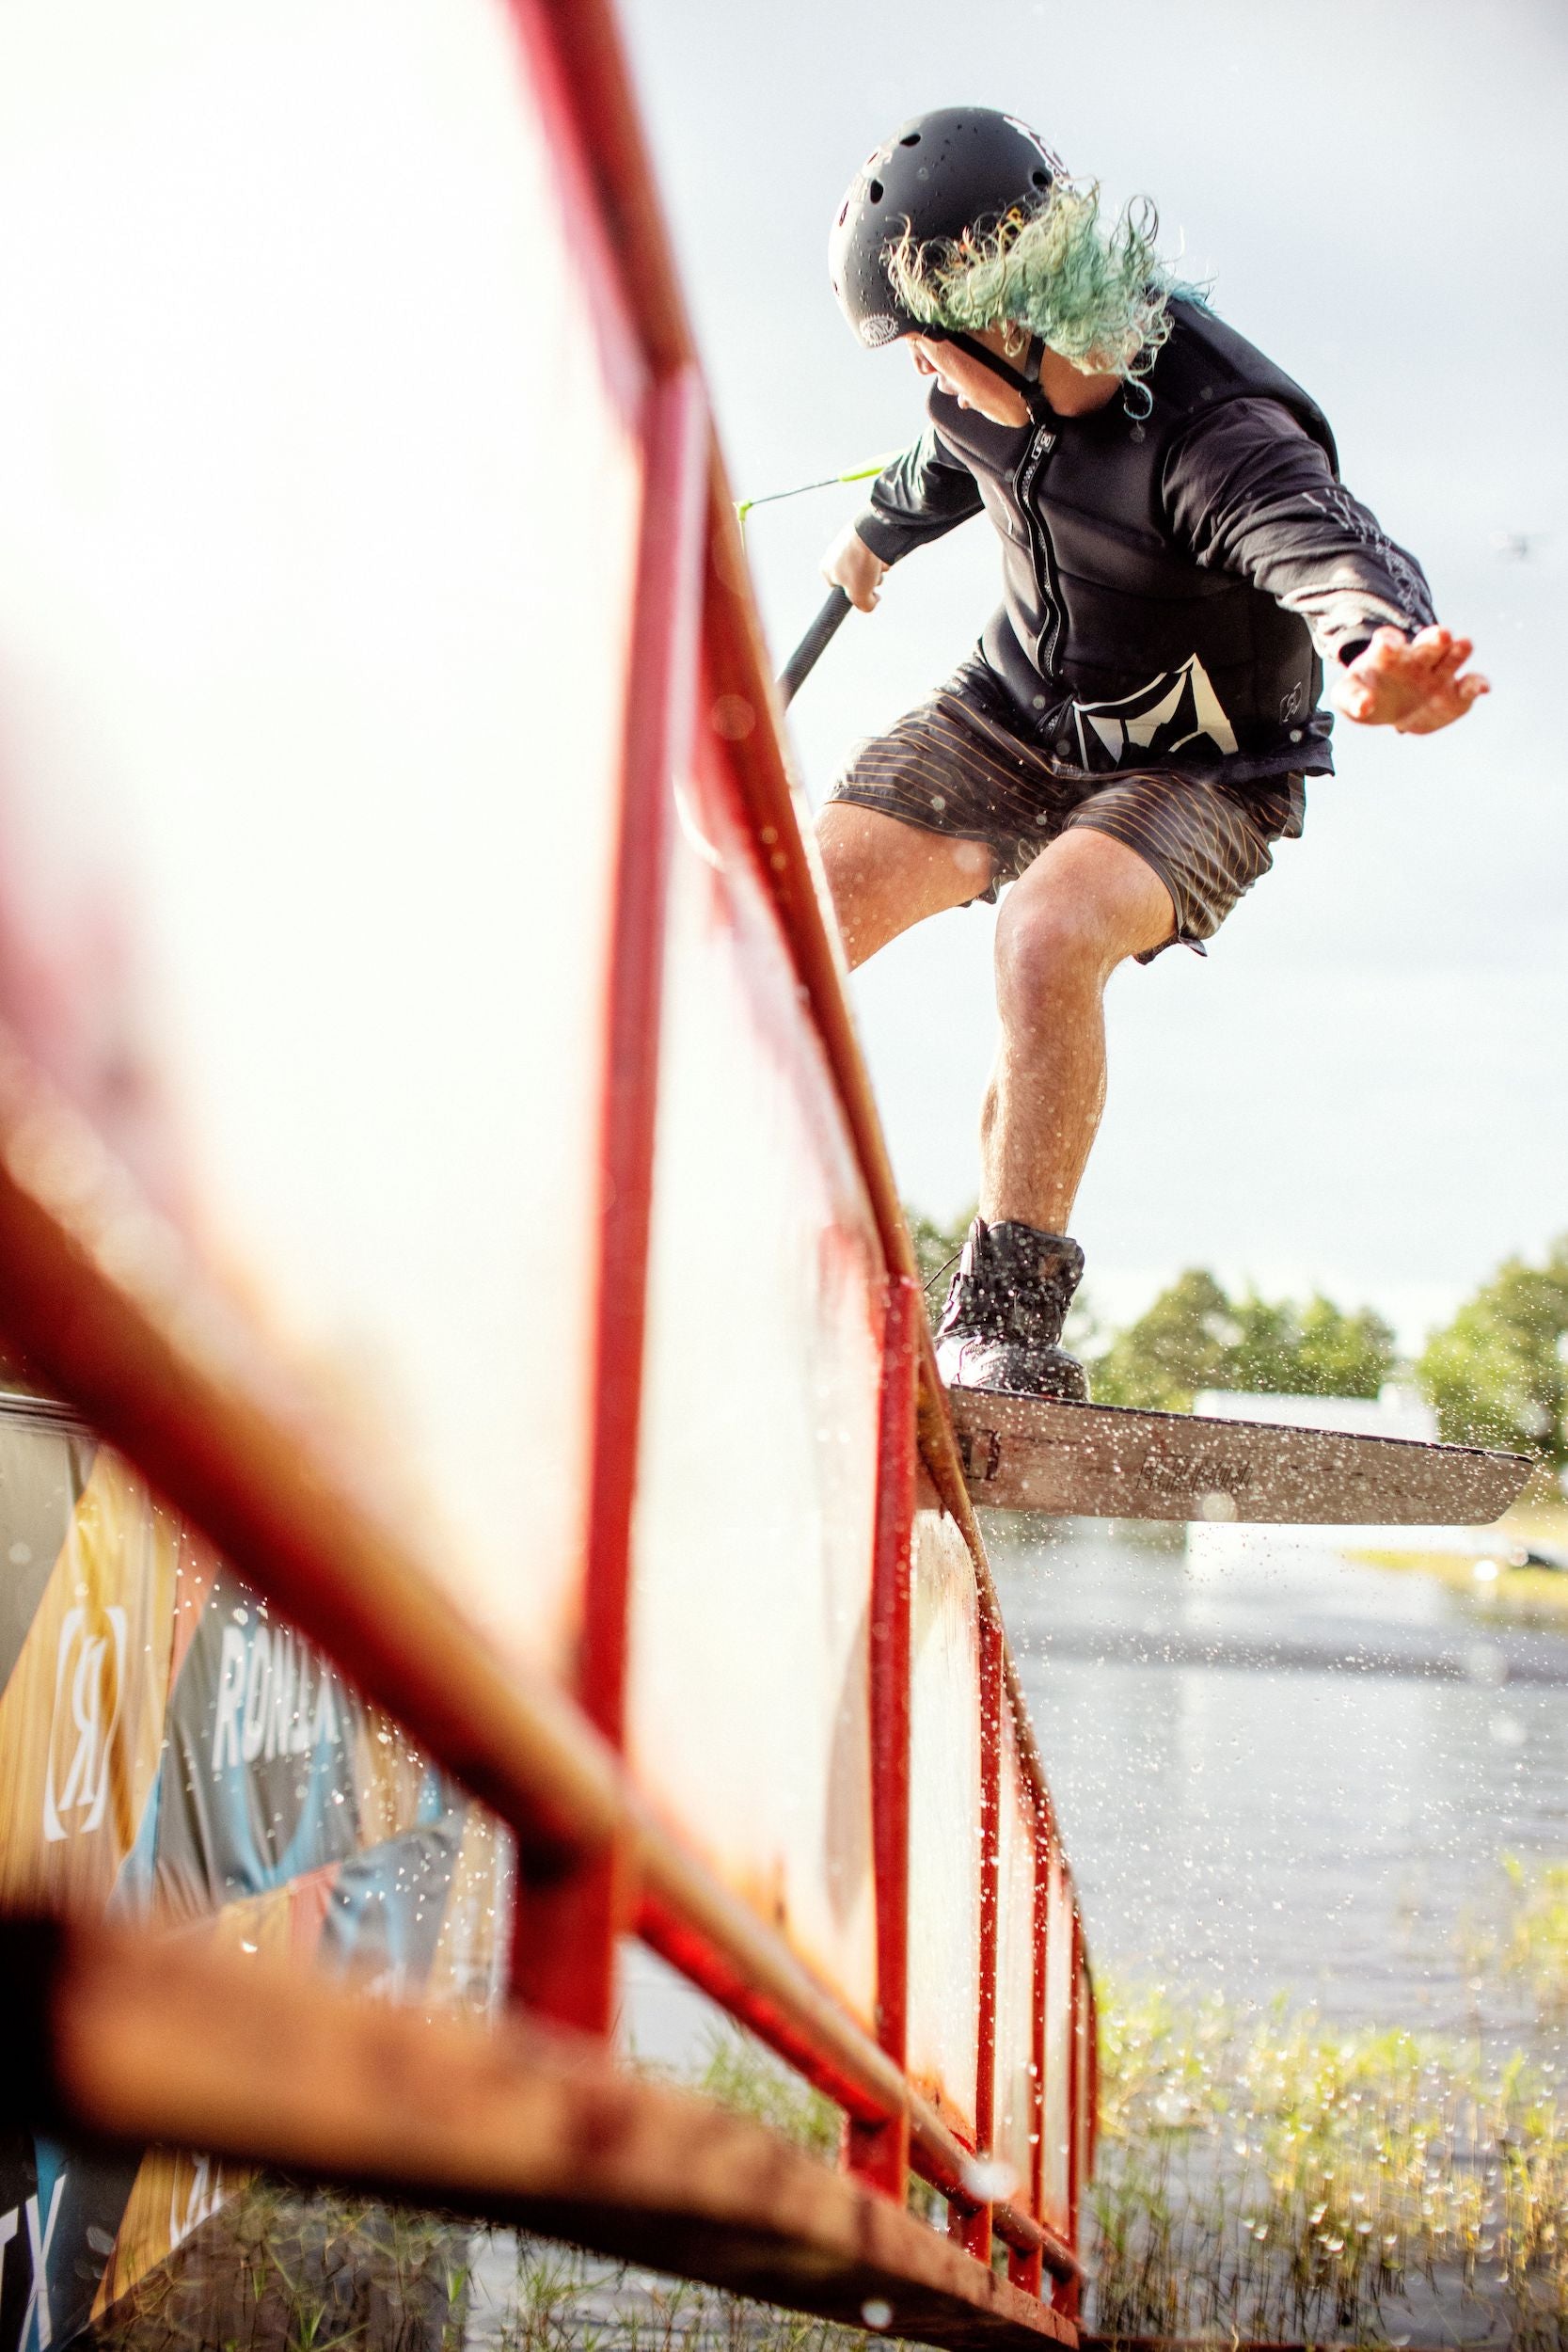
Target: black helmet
[{"x": 960, "y": 167}]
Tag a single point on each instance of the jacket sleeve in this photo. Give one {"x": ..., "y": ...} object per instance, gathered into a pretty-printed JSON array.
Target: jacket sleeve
[
  {"x": 920, "y": 496},
  {"x": 1248, "y": 491}
]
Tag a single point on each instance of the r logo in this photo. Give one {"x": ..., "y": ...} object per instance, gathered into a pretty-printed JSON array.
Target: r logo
[{"x": 89, "y": 1690}]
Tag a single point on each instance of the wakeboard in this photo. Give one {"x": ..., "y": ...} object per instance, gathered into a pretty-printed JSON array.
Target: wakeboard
[{"x": 1107, "y": 1461}]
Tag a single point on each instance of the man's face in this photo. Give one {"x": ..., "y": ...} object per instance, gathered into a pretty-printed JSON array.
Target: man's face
[{"x": 972, "y": 384}]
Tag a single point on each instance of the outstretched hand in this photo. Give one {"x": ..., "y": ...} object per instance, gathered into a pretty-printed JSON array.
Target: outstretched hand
[{"x": 1411, "y": 685}]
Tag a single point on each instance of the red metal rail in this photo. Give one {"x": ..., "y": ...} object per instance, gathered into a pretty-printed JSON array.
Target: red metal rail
[
  {"x": 130, "y": 1328},
  {"x": 569, "y": 1922},
  {"x": 118, "y": 2038}
]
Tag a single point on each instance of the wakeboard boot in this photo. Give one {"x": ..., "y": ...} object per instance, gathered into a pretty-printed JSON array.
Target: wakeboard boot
[{"x": 1002, "y": 1326}]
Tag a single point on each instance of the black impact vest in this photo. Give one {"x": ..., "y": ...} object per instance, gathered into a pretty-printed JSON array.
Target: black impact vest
[{"x": 1112, "y": 637}]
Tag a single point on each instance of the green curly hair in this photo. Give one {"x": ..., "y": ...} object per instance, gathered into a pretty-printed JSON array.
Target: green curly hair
[{"x": 1100, "y": 296}]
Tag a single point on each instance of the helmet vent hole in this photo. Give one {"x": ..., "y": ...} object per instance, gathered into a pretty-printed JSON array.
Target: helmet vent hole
[
  {"x": 911, "y": 139},
  {"x": 844, "y": 212},
  {"x": 1040, "y": 179},
  {"x": 876, "y": 191}
]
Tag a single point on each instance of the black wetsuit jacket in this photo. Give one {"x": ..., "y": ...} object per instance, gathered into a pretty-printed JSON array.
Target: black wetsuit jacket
[{"x": 1171, "y": 583}]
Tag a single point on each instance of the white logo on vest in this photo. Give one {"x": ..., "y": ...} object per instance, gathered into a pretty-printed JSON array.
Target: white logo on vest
[{"x": 1178, "y": 709}]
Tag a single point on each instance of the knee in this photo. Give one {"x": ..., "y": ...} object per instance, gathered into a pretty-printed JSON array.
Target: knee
[{"x": 1049, "y": 945}]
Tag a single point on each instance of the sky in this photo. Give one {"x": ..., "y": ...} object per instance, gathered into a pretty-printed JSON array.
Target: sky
[{"x": 1363, "y": 1087}]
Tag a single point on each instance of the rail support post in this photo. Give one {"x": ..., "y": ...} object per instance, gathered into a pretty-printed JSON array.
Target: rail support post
[{"x": 879, "y": 2152}]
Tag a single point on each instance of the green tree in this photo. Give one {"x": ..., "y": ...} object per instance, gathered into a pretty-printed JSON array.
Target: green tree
[
  {"x": 1176, "y": 1347},
  {"x": 1195, "y": 1337},
  {"x": 1316, "y": 1350},
  {"x": 1342, "y": 1355},
  {"x": 1496, "y": 1374},
  {"x": 1267, "y": 1343},
  {"x": 934, "y": 1247}
]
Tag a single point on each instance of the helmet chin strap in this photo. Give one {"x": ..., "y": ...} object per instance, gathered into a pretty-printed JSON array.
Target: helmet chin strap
[{"x": 1024, "y": 379}]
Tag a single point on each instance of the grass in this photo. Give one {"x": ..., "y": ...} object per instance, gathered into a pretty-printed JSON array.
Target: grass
[
  {"x": 1281, "y": 2178},
  {"x": 1520, "y": 1592},
  {"x": 741, "y": 2075},
  {"x": 558, "y": 2300},
  {"x": 1260, "y": 2176},
  {"x": 278, "y": 2269},
  {"x": 1278, "y": 2177}
]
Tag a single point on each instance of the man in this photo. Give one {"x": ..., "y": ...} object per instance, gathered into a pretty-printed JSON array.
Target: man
[{"x": 1180, "y": 565}]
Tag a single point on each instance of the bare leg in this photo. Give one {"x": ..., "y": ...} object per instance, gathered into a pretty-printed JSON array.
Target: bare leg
[
  {"x": 1085, "y": 904},
  {"x": 885, "y": 875}
]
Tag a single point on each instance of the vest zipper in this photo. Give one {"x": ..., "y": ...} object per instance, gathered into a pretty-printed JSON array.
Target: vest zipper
[{"x": 1040, "y": 448}]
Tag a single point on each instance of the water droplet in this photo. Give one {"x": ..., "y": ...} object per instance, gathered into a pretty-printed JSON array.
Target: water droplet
[
  {"x": 988, "y": 2180},
  {"x": 877, "y": 2313},
  {"x": 733, "y": 717}
]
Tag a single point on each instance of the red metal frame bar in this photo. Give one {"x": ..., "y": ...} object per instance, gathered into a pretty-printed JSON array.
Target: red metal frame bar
[
  {"x": 568, "y": 1921},
  {"x": 1069, "y": 2297},
  {"x": 740, "y": 665},
  {"x": 166, "y": 1377},
  {"x": 971, "y": 2224},
  {"x": 1094, "y": 2070},
  {"x": 738, "y": 660},
  {"x": 661, "y": 702},
  {"x": 597, "y": 91},
  {"x": 1023, "y": 2269},
  {"x": 940, "y": 1455},
  {"x": 119, "y": 2036},
  {"x": 881, "y": 2153},
  {"x": 102, "y": 1306}
]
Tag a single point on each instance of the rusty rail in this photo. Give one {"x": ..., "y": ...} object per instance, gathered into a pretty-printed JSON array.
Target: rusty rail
[{"x": 116, "y": 1313}]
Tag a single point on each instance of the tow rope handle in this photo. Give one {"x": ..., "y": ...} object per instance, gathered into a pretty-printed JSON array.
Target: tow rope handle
[
  {"x": 814, "y": 643},
  {"x": 812, "y": 646}
]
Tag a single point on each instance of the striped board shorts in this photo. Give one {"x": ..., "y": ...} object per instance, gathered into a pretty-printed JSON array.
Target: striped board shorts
[{"x": 957, "y": 765}]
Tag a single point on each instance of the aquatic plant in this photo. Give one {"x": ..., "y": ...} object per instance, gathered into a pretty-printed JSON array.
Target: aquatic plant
[
  {"x": 1261, "y": 2175},
  {"x": 1277, "y": 2176},
  {"x": 278, "y": 2268}
]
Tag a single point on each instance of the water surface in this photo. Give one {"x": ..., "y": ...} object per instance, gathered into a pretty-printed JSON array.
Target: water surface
[{"x": 1286, "y": 1774}]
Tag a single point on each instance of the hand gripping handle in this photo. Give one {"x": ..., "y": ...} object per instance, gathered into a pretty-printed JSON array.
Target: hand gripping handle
[{"x": 812, "y": 646}]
